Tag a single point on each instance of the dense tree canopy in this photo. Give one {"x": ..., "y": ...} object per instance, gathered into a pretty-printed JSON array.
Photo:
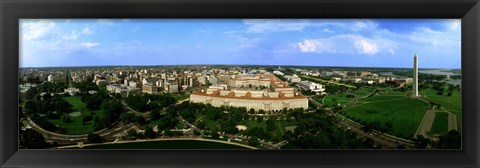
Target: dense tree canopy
[
  {"x": 94, "y": 138},
  {"x": 147, "y": 102},
  {"x": 31, "y": 139}
]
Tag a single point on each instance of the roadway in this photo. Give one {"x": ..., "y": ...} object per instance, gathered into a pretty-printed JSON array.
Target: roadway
[{"x": 107, "y": 133}]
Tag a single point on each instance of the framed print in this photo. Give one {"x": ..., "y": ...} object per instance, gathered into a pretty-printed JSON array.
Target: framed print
[{"x": 224, "y": 83}]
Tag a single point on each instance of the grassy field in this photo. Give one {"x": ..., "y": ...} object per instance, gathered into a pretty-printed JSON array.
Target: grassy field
[
  {"x": 363, "y": 91},
  {"x": 342, "y": 98},
  {"x": 440, "y": 124},
  {"x": 451, "y": 103},
  {"x": 76, "y": 126},
  {"x": 211, "y": 124},
  {"x": 280, "y": 126},
  {"x": 182, "y": 96},
  {"x": 388, "y": 95},
  {"x": 180, "y": 125},
  {"x": 253, "y": 123},
  {"x": 339, "y": 98},
  {"x": 169, "y": 144},
  {"x": 405, "y": 114}
]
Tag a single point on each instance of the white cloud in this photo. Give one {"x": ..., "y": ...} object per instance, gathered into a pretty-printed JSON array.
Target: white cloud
[
  {"x": 283, "y": 25},
  {"x": 435, "y": 38},
  {"x": 308, "y": 45},
  {"x": 89, "y": 44},
  {"x": 70, "y": 37},
  {"x": 271, "y": 25},
  {"x": 347, "y": 44},
  {"x": 245, "y": 46},
  {"x": 366, "y": 47},
  {"x": 359, "y": 25},
  {"x": 36, "y": 30},
  {"x": 328, "y": 30},
  {"x": 87, "y": 31},
  {"x": 455, "y": 24},
  {"x": 105, "y": 21}
]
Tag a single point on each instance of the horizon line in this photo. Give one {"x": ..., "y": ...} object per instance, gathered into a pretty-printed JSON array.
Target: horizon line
[{"x": 228, "y": 65}]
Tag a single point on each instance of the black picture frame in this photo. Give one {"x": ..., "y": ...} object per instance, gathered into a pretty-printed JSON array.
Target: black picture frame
[{"x": 13, "y": 10}]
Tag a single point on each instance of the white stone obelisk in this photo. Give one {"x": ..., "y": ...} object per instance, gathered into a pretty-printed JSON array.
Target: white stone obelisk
[{"x": 415, "y": 76}]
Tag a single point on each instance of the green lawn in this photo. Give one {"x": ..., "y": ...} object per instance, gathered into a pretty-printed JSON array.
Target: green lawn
[
  {"x": 76, "y": 126},
  {"x": 440, "y": 124},
  {"x": 340, "y": 98},
  {"x": 180, "y": 125},
  {"x": 388, "y": 95},
  {"x": 405, "y": 114},
  {"x": 280, "y": 126},
  {"x": 363, "y": 91},
  {"x": 182, "y": 96},
  {"x": 211, "y": 124},
  {"x": 253, "y": 123},
  {"x": 451, "y": 103}
]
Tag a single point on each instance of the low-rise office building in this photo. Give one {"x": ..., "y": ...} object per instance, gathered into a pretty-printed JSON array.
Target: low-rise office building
[
  {"x": 275, "y": 96},
  {"x": 123, "y": 90},
  {"x": 311, "y": 86}
]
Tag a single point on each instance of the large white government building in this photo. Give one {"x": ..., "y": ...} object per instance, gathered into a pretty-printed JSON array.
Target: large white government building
[{"x": 258, "y": 92}]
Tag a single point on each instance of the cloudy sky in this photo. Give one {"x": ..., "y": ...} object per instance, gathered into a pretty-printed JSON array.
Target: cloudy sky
[{"x": 313, "y": 42}]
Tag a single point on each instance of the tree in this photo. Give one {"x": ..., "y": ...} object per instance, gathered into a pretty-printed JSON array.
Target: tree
[
  {"x": 229, "y": 127},
  {"x": 253, "y": 141},
  {"x": 113, "y": 109},
  {"x": 127, "y": 117},
  {"x": 149, "y": 133},
  {"x": 270, "y": 125},
  {"x": 94, "y": 138},
  {"x": 118, "y": 96},
  {"x": 422, "y": 142},
  {"x": 215, "y": 135},
  {"x": 452, "y": 140},
  {"x": 201, "y": 125},
  {"x": 195, "y": 132},
  {"x": 154, "y": 115},
  {"x": 132, "y": 134},
  {"x": 87, "y": 118},
  {"x": 32, "y": 139}
]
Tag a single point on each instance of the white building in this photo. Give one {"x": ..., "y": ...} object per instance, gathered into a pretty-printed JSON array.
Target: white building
[
  {"x": 56, "y": 78},
  {"x": 72, "y": 91},
  {"x": 312, "y": 86},
  {"x": 102, "y": 82},
  {"x": 336, "y": 78},
  {"x": 123, "y": 90},
  {"x": 294, "y": 78},
  {"x": 278, "y": 73}
]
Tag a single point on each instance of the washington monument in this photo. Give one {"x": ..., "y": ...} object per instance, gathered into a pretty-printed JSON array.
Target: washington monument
[{"x": 415, "y": 76}]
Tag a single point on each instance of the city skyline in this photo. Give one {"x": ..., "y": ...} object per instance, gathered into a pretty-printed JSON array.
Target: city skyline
[{"x": 317, "y": 42}]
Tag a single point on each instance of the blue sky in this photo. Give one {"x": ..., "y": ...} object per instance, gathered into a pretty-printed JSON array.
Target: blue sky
[{"x": 312, "y": 42}]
